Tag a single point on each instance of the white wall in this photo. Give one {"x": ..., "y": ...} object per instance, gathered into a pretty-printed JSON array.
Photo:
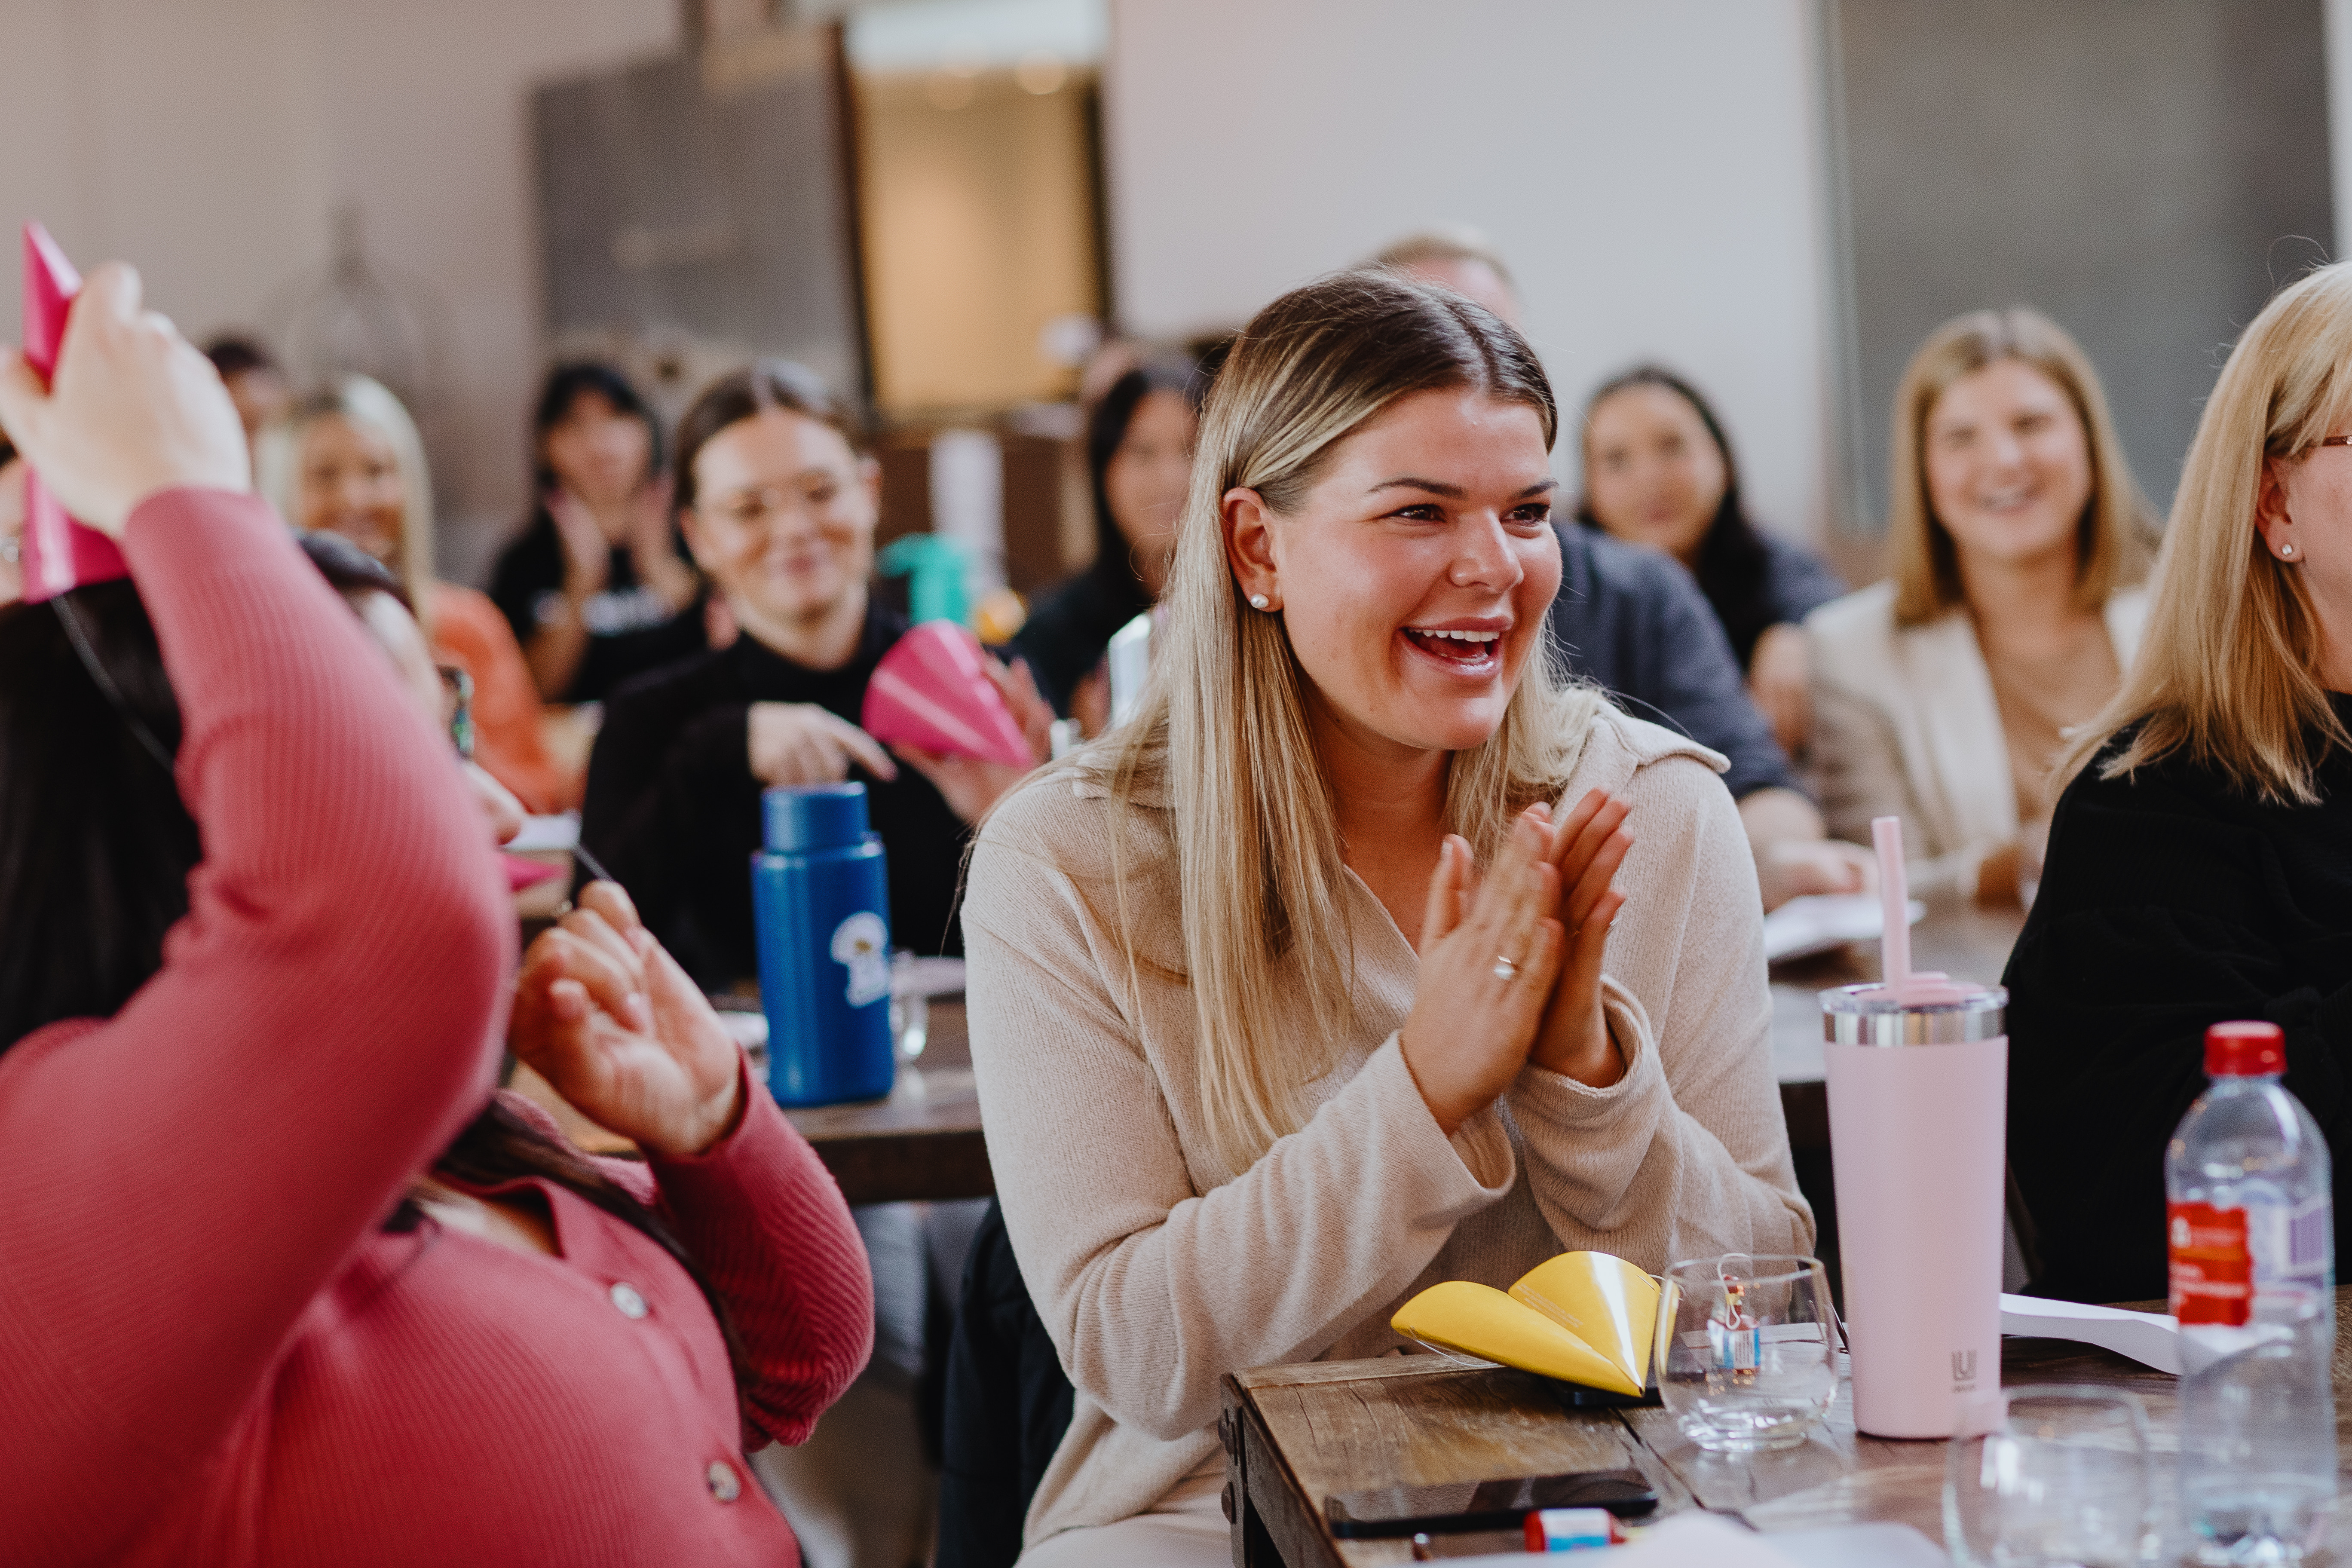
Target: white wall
[
  {"x": 2335, "y": 19},
  {"x": 209, "y": 141},
  {"x": 1650, "y": 171}
]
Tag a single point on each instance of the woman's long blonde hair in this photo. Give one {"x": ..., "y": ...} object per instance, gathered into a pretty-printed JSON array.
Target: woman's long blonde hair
[
  {"x": 2229, "y": 666},
  {"x": 1223, "y": 731},
  {"x": 365, "y": 402},
  {"x": 2112, "y": 537}
]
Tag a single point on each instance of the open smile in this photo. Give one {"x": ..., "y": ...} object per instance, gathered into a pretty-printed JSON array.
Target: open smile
[{"x": 1472, "y": 653}]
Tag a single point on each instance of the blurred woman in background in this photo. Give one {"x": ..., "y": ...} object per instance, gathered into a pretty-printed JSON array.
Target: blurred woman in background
[
  {"x": 1659, "y": 471},
  {"x": 778, "y": 503},
  {"x": 1943, "y": 694},
  {"x": 1139, "y": 458},
  {"x": 595, "y": 588},
  {"x": 348, "y": 461},
  {"x": 2200, "y": 862}
]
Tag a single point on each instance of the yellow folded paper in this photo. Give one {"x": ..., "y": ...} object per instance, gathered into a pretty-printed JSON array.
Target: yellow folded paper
[{"x": 1583, "y": 1317}]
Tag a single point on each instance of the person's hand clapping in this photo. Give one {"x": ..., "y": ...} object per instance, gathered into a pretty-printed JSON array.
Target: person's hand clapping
[
  {"x": 607, "y": 1017},
  {"x": 971, "y": 784},
  {"x": 1589, "y": 844},
  {"x": 802, "y": 743},
  {"x": 652, "y": 543},
  {"x": 132, "y": 410},
  {"x": 587, "y": 557},
  {"x": 1489, "y": 957}
]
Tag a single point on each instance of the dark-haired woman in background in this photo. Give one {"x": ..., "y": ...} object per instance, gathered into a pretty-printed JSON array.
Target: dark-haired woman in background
[
  {"x": 1139, "y": 458},
  {"x": 344, "y": 1379},
  {"x": 779, "y": 504},
  {"x": 595, "y": 587},
  {"x": 1659, "y": 471}
]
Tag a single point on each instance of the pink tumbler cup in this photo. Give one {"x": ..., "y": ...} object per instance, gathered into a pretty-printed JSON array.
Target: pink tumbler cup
[{"x": 1917, "y": 1089}]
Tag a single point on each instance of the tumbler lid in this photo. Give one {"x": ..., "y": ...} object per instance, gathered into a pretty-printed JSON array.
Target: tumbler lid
[
  {"x": 2245, "y": 1050},
  {"x": 814, "y": 817},
  {"x": 1952, "y": 1013}
]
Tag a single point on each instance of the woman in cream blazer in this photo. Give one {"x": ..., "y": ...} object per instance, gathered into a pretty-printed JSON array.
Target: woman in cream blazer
[{"x": 1944, "y": 695}]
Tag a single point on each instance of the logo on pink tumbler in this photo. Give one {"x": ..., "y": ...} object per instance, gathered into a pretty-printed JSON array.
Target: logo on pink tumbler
[{"x": 60, "y": 554}]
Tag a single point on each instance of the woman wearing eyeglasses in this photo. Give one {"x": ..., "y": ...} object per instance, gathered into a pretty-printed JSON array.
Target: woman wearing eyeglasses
[{"x": 778, "y": 504}]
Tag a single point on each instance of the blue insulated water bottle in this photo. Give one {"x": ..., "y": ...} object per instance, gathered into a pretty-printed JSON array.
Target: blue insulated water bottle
[{"x": 821, "y": 900}]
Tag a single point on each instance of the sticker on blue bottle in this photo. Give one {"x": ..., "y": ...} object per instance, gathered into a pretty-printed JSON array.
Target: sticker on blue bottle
[{"x": 863, "y": 943}]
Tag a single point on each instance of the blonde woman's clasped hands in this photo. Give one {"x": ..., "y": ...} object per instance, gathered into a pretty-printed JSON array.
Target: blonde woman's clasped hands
[{"x": 1510, "y": 965}]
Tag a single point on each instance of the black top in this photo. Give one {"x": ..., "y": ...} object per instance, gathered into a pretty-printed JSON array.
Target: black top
[
  {"x": 630, "y": 630},
  {"x": 2168, "y": 902},
  {"x": 673, "y": 810},
  {"x": 1064, "y": 636},
  {"x": 1632, "y": 619},
  {"x": 1787, "y": 583}
]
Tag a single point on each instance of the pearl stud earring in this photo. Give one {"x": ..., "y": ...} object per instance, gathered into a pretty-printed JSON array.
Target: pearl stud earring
[
  {"x": 2285, "y": 551},
  {"x": 1259, "y": 601}
]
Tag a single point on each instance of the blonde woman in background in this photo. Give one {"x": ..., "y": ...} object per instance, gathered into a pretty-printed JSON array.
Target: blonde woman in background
[
  {"x": 348, "y": 461},
  {"x": 2200, "y": 862},
  {"x": 1943, "y": 695},
  {"x": 1309, "y": 987}
]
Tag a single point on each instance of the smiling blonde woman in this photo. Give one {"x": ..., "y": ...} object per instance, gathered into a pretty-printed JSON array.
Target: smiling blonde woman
[
  {"x": 1259, "y": 1054},
  {"x": 348, "y": 461},
  {"x": 1943, "y": 695}
]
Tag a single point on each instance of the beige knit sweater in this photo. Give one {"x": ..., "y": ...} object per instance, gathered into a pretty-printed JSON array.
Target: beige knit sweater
[{"x": 1156, "y": 1272}]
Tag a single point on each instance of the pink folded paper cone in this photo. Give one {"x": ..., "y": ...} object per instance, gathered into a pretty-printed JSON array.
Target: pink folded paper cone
[
  {"x": 932, "y": 692},
  {"x": 58, "y": 553}
]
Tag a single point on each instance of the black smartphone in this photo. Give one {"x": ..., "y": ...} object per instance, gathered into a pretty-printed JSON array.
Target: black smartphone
[{"x": 1460, "y": 1507}]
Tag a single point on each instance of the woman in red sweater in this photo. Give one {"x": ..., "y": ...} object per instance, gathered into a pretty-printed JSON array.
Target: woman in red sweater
[{"x": 276, "y": 1285}]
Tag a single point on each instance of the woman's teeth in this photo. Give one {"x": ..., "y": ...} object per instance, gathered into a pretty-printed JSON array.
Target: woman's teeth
[{"x": 1458, "y": 646}]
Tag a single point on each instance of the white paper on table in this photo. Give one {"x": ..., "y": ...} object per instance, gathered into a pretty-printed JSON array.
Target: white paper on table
[
  {"x": 2151, "y": 1338},
  {"x": 1815, "y": 922},
  {"x": 541, "y": 835},
  {"x": 1697, "y": 1540}
]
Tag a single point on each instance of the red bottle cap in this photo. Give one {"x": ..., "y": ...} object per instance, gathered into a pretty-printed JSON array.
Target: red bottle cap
[{"x": 2245, "y": 1050}]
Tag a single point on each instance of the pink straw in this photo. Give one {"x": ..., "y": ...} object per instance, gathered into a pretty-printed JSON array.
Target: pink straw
[
  {"x": 1906, "y": 985},
  {"x": 1894, "y": 899}
]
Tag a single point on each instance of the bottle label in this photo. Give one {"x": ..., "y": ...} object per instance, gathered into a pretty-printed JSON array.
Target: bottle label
[
  {"x": 2212, "y": 1268},
  {"x": 862, "y": 945}
]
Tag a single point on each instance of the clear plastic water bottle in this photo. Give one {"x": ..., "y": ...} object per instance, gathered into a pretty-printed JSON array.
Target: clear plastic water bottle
[{"x": 2250, "y": 1238}]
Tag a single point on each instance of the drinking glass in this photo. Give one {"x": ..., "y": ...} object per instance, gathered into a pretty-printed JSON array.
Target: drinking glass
[
  {"x": 910, "y": 1004},
  {"x": 1745, "y": 1352},
  {"x": 2062, "y": 1480}
]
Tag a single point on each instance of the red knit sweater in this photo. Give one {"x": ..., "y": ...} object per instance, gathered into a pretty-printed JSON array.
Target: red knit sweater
[{"x": 210, "y": 1350}]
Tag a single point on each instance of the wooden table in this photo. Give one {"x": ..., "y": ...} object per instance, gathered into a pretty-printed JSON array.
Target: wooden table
[
  {"x": 923, "y": 1142},
  {"x": 1295, "y": 1435}
]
